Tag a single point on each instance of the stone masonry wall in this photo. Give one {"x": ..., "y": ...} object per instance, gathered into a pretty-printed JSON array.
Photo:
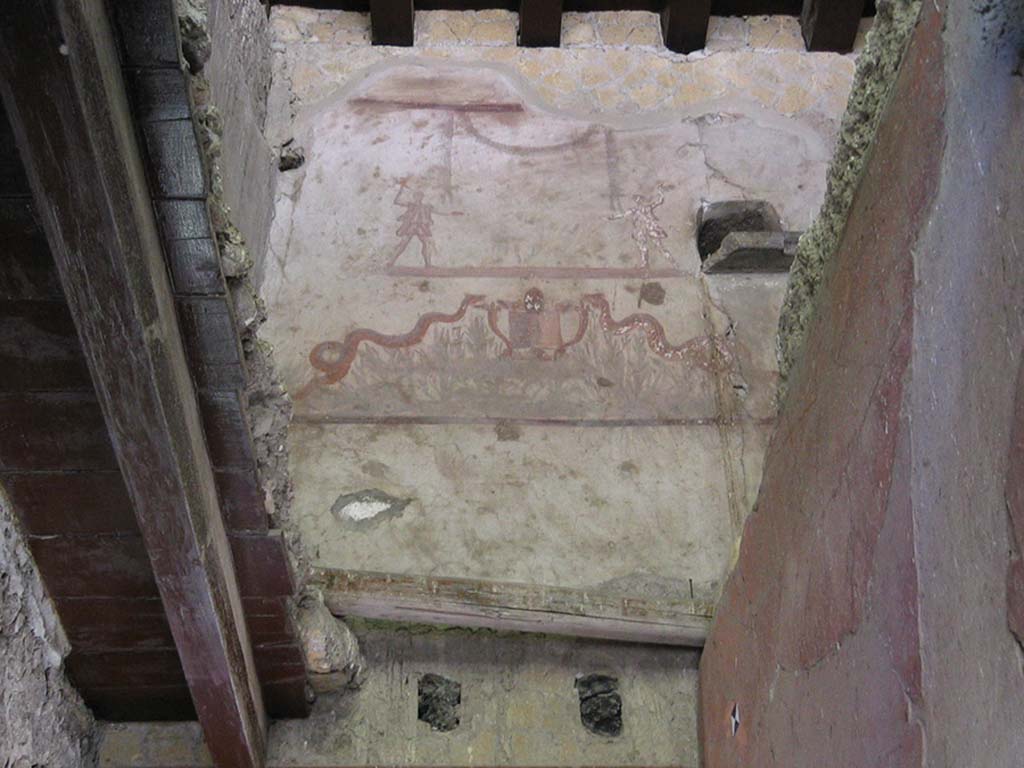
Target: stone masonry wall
[
  {"x": 225, "y": 44},
  {"x": 43, "y": 721},
  {"x": 608, "y": 64},
  {"x": 239, "y": 74}
]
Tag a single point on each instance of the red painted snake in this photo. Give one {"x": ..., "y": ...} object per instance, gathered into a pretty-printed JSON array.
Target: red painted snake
[
  {"x": 335, "y": 358},
  {"x": 708, "y": 352}
]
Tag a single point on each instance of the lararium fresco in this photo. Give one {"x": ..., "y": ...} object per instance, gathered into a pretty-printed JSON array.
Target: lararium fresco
[
  {"x": 465, "y": 255},
  {"x": 492, "y": 320}
]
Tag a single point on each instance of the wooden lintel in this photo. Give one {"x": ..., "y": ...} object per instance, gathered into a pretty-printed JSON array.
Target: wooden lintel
[
  {"x": 684, "y": 24},
  {"x": 62, "y": 88},
  {"x": 540, "y": 23},
  {"x": 391, "y": 22},
  {"x": 512, "y": 606},
  {"x": 830, "y": 25}
]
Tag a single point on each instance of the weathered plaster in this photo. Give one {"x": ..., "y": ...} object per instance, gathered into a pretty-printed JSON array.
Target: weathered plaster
[
  {"x": 519, "y": 173},
  {"x": 868, "y": 620},
  {"x": 43, "y": 721},
  {"x": 968, "y": 349},
  {"x": 519, "y": 706}
]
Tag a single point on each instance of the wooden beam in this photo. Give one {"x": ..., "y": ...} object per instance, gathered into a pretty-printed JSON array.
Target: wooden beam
[
  {"x": 391, "y": 22},
  {"x": 520, "y": 607},
  {"x": 61, "y": 85},
  {"x": 831, "y": 25},
  {"x": 718, "y": 7},
  {"x": 540, "y": 23},
  {"x": 684, "y": 24}
]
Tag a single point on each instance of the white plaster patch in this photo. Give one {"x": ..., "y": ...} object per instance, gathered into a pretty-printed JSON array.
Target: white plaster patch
[{"x": 363, "y": 510}]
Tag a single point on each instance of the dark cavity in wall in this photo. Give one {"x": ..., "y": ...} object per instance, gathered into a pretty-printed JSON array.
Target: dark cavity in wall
[
  {"x": 600, "y": 704},
  {"x": 717, "y": 220},
  {"x": 439, "y": 700}
]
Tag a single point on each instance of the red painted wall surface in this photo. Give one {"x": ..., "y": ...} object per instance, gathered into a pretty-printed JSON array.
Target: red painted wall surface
[{"x": 845, "y": 636}]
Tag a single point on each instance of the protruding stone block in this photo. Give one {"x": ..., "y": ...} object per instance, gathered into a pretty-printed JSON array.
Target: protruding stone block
[
  {"x": 716, "y": 220},
  {"x": 753, "y": 252}
]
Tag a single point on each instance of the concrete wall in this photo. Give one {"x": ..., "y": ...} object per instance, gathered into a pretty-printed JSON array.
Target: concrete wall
[
  {"x": 42, "y": 719},
  {"x": 866, "y": 620},
  {"x": 239, "y": 74}
]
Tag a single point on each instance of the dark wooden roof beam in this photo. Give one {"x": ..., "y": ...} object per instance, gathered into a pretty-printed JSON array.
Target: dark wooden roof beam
[
  {"x": 391, "y": 22},
  {"x": 63, "y": 91},
  {"x": 831, "y": 25},
  {"x": 684, "y": 24},
  {"x": 540, "y": 23}
]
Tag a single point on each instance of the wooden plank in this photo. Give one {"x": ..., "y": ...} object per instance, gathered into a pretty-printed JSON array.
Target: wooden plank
[
  {"x": 147, "y": 33},
  {"x": 262, "y": 564},
  {"x": 270, "y": 623},
  {"x": 684, "y": 24},
  {"x": 39, "y": 348},
  {"x": 391, "y": 22},
  {"x": 95, "y": 624},
  {"x": 183, "y": 219},
  {"x": 211, "y": 342},
  {"x": 195, "y": 267},
  {"x": 13, "y": 181},
  {"x": 192, "y": 253},
  {"x": 85, "y": 169},
  {"x": 27, "y": 270},
  {"x": 540, "y": 23},
  {"x": 94, "y": 566},
  {"x": 242, "y": 501},
  {"x": 125, "y": 669},
  {"x": 160, "y": 94},
  {"x": 830, "y": 25},
  {"x": 227, "y": 431},
  {"x": 718, "y": 7},
  {"x": 173, "y": 161},
  {"x": 511, "y": 606},
  {"x": 72, "y": 503},
  {"x": 279, "y": 662},
  {"x": 53, "y": 430}
]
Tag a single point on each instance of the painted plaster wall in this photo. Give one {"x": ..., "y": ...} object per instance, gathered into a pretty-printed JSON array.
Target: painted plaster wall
[
  {"x": 530, "y": 161},
  {"x": 42, "y": 719},
  {"x": 866, "y": 621}
]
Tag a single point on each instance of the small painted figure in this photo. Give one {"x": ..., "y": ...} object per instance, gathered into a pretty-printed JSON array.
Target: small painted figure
[
  {"x": 647, "y": 233},
  {"x": 416, "y": 221}
]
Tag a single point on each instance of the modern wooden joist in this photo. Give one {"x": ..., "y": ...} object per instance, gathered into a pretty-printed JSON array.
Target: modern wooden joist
[{"x": 124, "y": 446}]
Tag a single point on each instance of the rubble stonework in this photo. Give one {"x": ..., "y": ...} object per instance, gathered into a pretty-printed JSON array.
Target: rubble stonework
[
  {"x": 610, "y": 63},
  {"x": 332, "y": 651},
  {"x": 872, "y": 83},
  {"x": 43, "y": 721},
  {"x": 268, "y": 404}
]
